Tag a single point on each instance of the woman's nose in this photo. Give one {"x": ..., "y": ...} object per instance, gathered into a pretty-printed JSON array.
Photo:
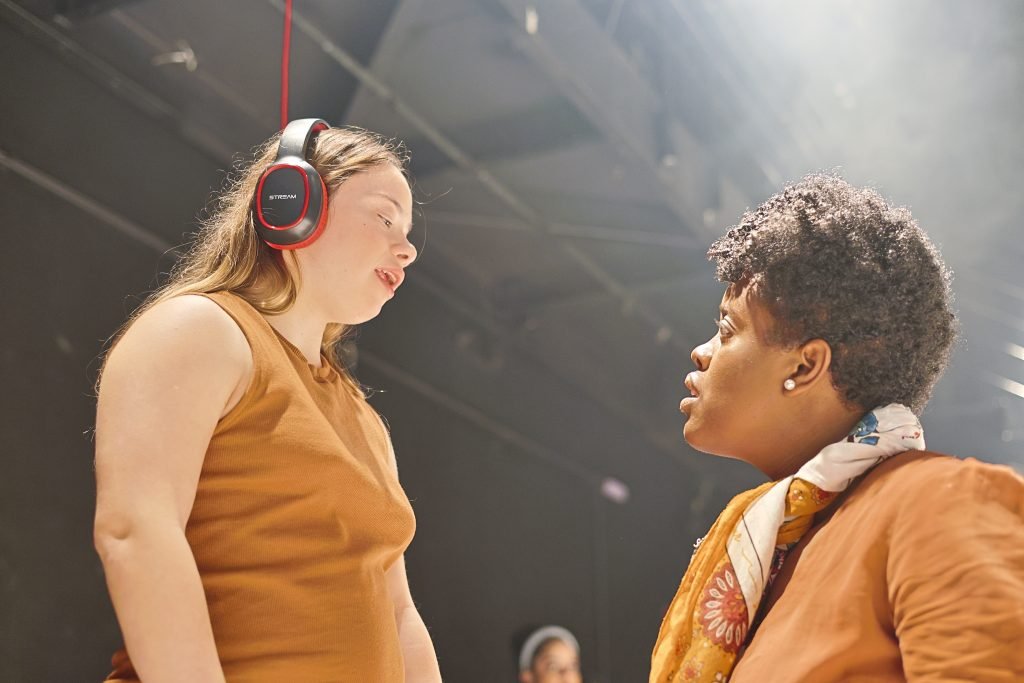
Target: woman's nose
[
  {"x": 701, "y": 356},
  {"x": 405, "y": 252}
]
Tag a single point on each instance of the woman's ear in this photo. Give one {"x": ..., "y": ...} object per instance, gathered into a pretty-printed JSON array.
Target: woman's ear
[
  {"x": 811, "y": 366},
  {"x": 525, "y": 677}
]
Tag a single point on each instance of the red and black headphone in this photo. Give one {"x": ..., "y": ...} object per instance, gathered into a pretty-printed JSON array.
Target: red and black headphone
[{"x": 290, "y": 206}]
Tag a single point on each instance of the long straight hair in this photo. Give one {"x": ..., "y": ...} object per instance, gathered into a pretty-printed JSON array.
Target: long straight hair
[{"x": 228, "y": 255}]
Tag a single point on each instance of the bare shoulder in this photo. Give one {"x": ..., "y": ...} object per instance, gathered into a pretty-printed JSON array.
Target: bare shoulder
[
  {"x": 189, "y": 316},
  {"x": 188, "y": 335},
  {"x": 167, "y": 382}
]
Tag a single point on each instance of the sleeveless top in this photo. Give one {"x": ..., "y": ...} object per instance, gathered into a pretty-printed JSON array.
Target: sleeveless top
[{"x": 298, "y": 515}]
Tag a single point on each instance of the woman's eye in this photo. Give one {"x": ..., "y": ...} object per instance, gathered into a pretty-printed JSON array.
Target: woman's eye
[
  {"x": 387, "y": 223},
  {"x": 723, "y": 329}
]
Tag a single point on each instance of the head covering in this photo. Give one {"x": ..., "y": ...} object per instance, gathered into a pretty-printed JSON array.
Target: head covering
[
  {"x": 544, "y": 633},
  {"x": 732, "y": 567}
]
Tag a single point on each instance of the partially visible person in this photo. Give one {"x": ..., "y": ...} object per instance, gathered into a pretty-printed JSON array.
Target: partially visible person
[
  {"x": 551, "y": 654},
  {"x": 865, "y": 557}
]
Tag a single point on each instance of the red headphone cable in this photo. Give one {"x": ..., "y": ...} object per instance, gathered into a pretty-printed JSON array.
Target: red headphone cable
[{"x": 286, "y": 48}]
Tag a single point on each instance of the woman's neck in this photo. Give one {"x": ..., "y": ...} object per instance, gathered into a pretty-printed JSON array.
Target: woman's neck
[
  {"x": 302, "y": 328},
  {"x": 815, "y": 430}
]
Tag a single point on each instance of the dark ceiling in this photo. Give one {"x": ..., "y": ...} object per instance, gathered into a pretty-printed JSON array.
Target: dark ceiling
[{"x": 573, "y": 160}]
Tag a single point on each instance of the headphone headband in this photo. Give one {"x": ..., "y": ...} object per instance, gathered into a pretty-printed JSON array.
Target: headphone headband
[{"x": 298, "y": 136}]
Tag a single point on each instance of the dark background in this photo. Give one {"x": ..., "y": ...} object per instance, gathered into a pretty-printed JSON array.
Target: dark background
[{"x": 574, "y": 159}]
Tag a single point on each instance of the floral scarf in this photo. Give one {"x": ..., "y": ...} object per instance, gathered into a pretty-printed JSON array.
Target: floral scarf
[{"x": 708, "y": 620}]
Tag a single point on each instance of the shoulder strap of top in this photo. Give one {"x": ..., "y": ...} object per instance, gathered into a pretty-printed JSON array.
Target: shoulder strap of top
[
  {"x": 254, "y": 326},
  {"x": 265, "y": 348}
]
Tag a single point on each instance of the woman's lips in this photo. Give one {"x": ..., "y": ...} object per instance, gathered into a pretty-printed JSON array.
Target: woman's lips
[
  {"x": 691, "y": 384},
  {"x": 387, "y": 280}
]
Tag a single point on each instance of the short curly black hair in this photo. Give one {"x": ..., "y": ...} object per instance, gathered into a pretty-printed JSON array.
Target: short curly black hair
[{"x": 836, "y": 262}]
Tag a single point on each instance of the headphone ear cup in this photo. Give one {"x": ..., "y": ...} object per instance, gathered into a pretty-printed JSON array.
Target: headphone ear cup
[
  {"x": 290, "y": 206},
  {"x": 321, "y": 219},
  {"x": 289, "y": 210}
]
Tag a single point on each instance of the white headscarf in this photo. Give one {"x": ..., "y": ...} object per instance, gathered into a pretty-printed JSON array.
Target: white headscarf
[{"x": 541, "y": 635}]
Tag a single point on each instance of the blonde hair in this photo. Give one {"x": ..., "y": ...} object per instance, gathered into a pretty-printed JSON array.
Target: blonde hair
[{"x": 228, "y": 255}]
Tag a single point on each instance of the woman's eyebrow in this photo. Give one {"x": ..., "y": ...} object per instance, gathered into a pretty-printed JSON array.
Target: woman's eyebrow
[
  {"x": 391, "y": 199},
  {"x": 724, "y": 310}
]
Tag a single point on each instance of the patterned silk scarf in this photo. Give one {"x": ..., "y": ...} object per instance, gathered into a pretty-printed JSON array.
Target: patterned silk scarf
[{"x": 707, "y": 622}]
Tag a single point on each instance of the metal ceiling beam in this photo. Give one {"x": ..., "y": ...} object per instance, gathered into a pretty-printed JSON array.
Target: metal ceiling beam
[
  {"x": 993, "y": 314},
  {"x": 1008, "y": 385},
  {"x": 772, "y": 120},
  {"x": 1002, "y": 286},
  {"x": 636, "y": 291},
  {"x": 613, "y": 93},
  {"x": 646, "y": 238},
  {"x": 85, "y": 8},
  {"x": 611, "y": 21},
  {"x": 162, "y": 47},
  {"x": 537, "y": 128},
  {"x": 86, "y": 204},
  {"x": 112, "y": 80},
  {"x": 615, "y": 406},
  {"x": 482, "y": 421}
]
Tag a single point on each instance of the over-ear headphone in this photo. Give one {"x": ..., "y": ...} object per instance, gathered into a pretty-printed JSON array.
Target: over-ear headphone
[{"x": 290, "y": 206}]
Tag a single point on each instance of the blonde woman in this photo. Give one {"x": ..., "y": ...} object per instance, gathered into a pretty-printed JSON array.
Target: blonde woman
[{"x": 249, "y": 516}]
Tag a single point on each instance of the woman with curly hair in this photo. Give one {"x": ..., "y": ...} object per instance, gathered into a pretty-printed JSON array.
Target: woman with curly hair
[
  {"x": 249, "y": 516},
  {"x": 866, "y": 557}
]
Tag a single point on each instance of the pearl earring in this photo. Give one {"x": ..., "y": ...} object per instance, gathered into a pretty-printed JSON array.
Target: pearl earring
[{"x": 789, "y": 384}]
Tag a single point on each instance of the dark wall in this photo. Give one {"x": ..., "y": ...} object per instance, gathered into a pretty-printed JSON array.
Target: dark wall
[
  {"x": 66, "y": 279},
  {"x": 506, "y": 539}
]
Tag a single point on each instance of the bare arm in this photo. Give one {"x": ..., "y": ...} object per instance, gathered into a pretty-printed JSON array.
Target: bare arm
[
  {"x": 172, "y": 376},
  {"x": 417, "y": 648}
]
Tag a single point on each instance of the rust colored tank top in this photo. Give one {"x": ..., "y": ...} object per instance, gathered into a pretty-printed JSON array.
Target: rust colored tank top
[{"x": 297, "y": 517}]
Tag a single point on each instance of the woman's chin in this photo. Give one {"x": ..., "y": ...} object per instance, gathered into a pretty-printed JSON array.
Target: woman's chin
[
  {"x": 691, "y": 432},
  {"x": 698, "y": 438},
  {"x": 362, "y": 316}
]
